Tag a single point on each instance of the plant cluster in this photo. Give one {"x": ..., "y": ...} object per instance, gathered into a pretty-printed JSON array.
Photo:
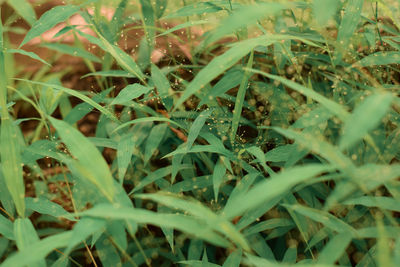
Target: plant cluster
[{"x": 200, "y": 133}]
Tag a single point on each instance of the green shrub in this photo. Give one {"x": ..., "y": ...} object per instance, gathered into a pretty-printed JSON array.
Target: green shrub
[{"x": 270, "y": 140}]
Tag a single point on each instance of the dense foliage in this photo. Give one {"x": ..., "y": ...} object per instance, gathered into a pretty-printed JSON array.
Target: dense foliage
[{"x": 200, "y": 133}]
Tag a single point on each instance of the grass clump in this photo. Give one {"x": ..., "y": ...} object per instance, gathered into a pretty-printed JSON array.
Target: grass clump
[{"x": 200, "y": 133}]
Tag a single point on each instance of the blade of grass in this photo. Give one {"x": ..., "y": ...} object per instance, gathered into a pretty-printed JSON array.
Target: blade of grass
[
  {"x": 89, "y": 159},
  {"x": 78, "y": 95},
  {"x": 364, "y": 118},
  {"x": 219, "y": 65},
  {"x": 24, "y": 9},
  {"x": 274, "y": 187},
  {"x": 348, "y": 25},
  {"x": 237, "y": 112},
  {"x": 10, "y": 153},
  {"x": 38, "y": 251},
  {"x": 26, "y": 236},
  {"x": 180, "y": 222},
  {"x": 330, "y": 105},
  {"x": 50, "y": 19}
]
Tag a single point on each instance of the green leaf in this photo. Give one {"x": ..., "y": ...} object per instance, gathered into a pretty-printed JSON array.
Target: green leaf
[
  {"x": 72, "y": 51},
  {"x": 24, "y": 9},
  {"x": 379, "y": 58},
  {"x": 231, "y": 79},
  {"x": 364, "y": 118},
  {"x": 107, "y": 252},
  {"x": 314, "y": 117},
  {"x": 110, "y": 73},
  {"x": 154, "y": 140},
  {"x": 268, "y": 225},
  {"x": 325, "y": 218},
  {"x": 130, "y": 92},
  {"x": 330, "y": 105},
  {"x": 45, "y": 206},
  {"x": 218, "y": 176},
  {"x": 259, "y": 154},
  {"x": 197, "y": 263},
  {"x": 117, "y": 20},
  {"x": 197, "y": 209},
  {"x": 233, "y": 259},
  {"x": 334, "y": 249},
  {"x": 280, "y": 153},
  {"x": 152, "y": 177},
  {"x": 83, "y": 229},
  {"x": 242, "y": 17},
  {"x": 38, "y": 251},
  {"x": 350, "y": 20},
  {"x": 196, "y": 127},
  {"x": 386, "y": 203},
  {"x": 5, "y": 197},
  {"x": 180, "y": 222},
  {"x": 317, "y": 145},
  {"x": 183, "y": 26},
  {"x": 162, "y": 84},
  {"x": 324, "y": 10},
  {"x": 6, "y": 228},
  {"x": 26, "y": 53},
  {"x": 219, "y": 65},
  {"x": 124, "y": 153},
  {"x": 199, "y": 8},
  {"x": 11, "y": 163},
  {"x": 269, "y": 189},
  {"x": 147, "y": 119},
  {"x": 290, "y": 255},
  {"x": 90, "y": 162},
  {"x": 78, "y": 95},
  {"x": 50, "y": 19},
  {"x": 240, "y": 97},
  {"x": 26, "y": 236},
  {"x": 122, "y": 58}
]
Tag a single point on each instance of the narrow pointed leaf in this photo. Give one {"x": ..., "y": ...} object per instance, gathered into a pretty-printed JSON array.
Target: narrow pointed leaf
[
  {"x": 50, "y": 19},
  {"x": 271, "y": 188},
  {"x": 364, "y": 118},
  {"x": 130, "y": 92},
  {"x": 92, "y": 163}
]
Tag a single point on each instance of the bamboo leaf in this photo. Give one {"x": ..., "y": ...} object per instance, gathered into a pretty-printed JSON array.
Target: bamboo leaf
[
  {"x": 162, "y": 84},
  {"x": 334, "y": 249},
  {"x": 24, "y": 9},
  {"x": 364, "y": 118},
  {"x": 130, "y": 92},
  {"x": 237, "y": 111},
  {"x": 50, "y": 19},
  {"x": 38, "y": 251},
  {"x": 319, "y": 146},
  {"x": 78, "y": 95},
  {"x": 219, "y": 65},
  {"x": 29, "y": 54},
  {"x": 11, "y": 163},
  {"x": 45, "y": 206},
  {"x": 348, "y": 25},
  {"x": 180, "y": 222},
  {"x": 325, "y": 218},
  {"x": 274, "y": 187},
  {"x": 324, "y": 10},
  {"x": 72, "y": 51},
  {"x": 26, "y": 236},
  {"x": 218, "y": 176},
  {"x": 196, "y": 127},
  {"x": 6, "y": 228},
  {"x": 89, "y": 160},
  {"x": 154, "y": 140},
  {"x": 330, "y": 105}
]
